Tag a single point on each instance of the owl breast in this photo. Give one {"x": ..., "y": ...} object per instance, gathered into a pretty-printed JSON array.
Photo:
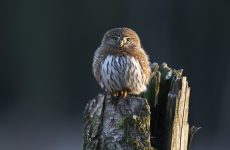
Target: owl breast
[{"x": 122, "y": 73}]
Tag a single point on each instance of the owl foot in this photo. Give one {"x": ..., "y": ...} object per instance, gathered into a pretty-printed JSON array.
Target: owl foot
[
  {"x": 115, "y": 94},
  {"x": 123, "y": 93}
]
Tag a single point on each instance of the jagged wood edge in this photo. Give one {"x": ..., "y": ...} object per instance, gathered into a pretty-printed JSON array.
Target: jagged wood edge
[{"x": 162, "y": 139}]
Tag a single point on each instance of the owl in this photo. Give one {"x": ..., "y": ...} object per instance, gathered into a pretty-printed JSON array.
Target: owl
[{"x": 120, "y": 64}]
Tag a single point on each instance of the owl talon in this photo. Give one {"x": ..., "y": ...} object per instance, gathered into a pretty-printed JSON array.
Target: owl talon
[
  {"x": 121, "y": 94},
  {"x": 125, "y": 93},
  {"x": 115, "y": 94}
]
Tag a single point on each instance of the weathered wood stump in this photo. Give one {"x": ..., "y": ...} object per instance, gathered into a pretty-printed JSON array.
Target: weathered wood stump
[{"x": 157, "y": 119}]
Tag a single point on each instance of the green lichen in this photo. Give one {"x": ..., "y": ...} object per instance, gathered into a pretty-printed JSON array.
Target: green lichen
[
  {"x": 134, "y": 125},
  {"x": 121, "y": 123}
]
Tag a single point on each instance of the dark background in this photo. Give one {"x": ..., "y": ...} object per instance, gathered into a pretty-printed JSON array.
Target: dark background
[{"x": 46, "y": 50}]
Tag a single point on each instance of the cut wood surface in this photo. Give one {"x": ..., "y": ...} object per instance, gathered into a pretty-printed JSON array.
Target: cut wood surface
[{"x": 180, "y": 126}]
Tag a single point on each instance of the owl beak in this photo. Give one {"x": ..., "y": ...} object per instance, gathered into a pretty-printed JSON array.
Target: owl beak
[{"x": 121, "y": 43}]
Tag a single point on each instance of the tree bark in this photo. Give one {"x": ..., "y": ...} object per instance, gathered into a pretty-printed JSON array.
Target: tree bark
[
  {"x": 116, "y": 124},
  {"x": 157, "y": 119}
]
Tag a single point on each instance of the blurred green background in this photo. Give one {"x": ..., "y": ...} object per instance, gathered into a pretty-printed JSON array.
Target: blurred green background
[{"x": 46, "y": 50}]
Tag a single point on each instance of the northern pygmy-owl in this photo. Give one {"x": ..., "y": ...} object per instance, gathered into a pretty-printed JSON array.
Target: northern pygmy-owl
[{"x": 120, "y": 64}]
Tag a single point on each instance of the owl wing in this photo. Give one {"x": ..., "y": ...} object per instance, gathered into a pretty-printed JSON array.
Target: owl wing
[
  {"x": 144, "y": 62},
  {"x": 97, "y": 61}
]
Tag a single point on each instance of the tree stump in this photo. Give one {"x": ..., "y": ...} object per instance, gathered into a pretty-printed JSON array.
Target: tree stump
[{"x": 157, "y": 119}]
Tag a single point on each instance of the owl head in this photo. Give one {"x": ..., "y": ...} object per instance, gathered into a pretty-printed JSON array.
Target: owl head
[{"x": 121, "y": 38}]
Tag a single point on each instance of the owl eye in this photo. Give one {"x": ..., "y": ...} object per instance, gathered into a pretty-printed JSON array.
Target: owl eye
[
  {"x": 115, "y": 38},
  {"x": 129, "y": 40}
]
